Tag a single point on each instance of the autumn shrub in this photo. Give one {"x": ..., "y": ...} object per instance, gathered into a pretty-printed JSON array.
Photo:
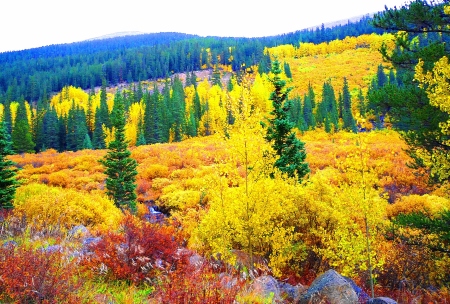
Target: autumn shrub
[
  {"x": 37, "y": 276},
  {"x": 138, "y": 253},
  {"x": 201, "y": 283},
  {"x": 46, "y": 207},
  {"x": 429, "y": 204},
  {"x": 154, "y": 171}
]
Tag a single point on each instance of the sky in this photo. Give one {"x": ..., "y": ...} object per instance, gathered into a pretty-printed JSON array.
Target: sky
[{"x": 26, "y": 24}]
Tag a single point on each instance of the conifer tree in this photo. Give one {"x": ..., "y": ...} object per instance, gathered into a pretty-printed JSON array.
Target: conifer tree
[
  {"x": 120, "y": 168},
  {"x": 21, "y": 136},
  {"x": 51, "y": 129},
  {"x": 8, "y": 182},
  {"x": 98, "y": 137},
  {"x": 289, "y": 149},
  {"x": 347, "y": 115}
]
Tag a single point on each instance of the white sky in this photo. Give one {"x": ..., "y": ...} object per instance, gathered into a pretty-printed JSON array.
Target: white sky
[{"x": 32, "y": 23}]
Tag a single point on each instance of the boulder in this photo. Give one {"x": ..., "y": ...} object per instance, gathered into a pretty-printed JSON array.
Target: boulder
[
  {"x": 79, "y": 232},
  {"x": 382, "y": 300},
  {"x": 265, "y": 287},
  {"x": 9, "y": 243},
  {"x": 363, "y": 297},
  {"x": 329, "y": 287},
  {"x": 291, "y": 293}
]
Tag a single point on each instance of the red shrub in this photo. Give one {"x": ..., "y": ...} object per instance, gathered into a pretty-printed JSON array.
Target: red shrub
[
  {"x": 37, "y": 276},
  {"x": 199, "y": 284},
  {"x": 139, "y": 253}
]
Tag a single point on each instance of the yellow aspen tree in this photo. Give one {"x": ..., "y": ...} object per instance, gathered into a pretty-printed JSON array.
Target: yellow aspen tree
[{"x": 249, "y": 211}]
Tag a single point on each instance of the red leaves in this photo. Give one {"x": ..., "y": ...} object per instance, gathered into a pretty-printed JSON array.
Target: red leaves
[
  {"x": 37, "y": 276},
  {"x": 140, "y": 252}
]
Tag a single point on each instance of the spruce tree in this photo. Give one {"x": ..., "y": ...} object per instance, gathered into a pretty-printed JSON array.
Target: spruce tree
[
  {"x": 347, "y": 114},
  {"x": 22, "y": 138},
  {"x": 289, "y": 149},
  {"x": 8, "y": 182},
  {"x": 120, "y": 168}
]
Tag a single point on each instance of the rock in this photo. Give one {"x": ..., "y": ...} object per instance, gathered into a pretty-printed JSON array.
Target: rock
[
  {"x": 266, "y": 287},
  {"x": 9, "y": 243},
  {"x": 88, "y": 243},
  {"x": 291, "y": 293},
  {"x": 53, "y": 248},
  {"x": 78, "y": 232},
  {"x": 363, "y": 297},
  {"x": 329, "y": 287},
  {"x": 382, "y": 300}
]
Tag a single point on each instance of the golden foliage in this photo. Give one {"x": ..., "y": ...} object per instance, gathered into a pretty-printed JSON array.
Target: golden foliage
[{"x": 46, "y": 206}]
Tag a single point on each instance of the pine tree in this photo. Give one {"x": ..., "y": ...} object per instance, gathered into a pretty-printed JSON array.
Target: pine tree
[
  {"x": 308, "y": 115},
  {"x": 8, "y": 182},
  {"x": 51, "y": 129},
  {"x": 347, "y": 115},
  {"x": 120, "y": 168},
  {"x": 98, "y": 137},
  {"x": 289, "y": 149},
  {"x": 287, "y": 70},
  {"x": 21, "y": 135}
]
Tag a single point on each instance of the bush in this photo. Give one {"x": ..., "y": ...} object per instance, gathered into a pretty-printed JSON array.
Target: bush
[
  {"x": 37, "y": 276},
  {"x": 47, "y": 207},
  {"x": 138, "y": 253}
]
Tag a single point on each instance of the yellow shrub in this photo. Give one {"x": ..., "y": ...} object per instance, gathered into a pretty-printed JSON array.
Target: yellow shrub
[
  {"x": 431, "y": 204},
  {"x": 154, "y": 171},
  {"x": 47, "y": 206}
]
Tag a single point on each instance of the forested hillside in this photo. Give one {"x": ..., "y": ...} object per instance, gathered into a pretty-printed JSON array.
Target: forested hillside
[{"x": 173, "y": 168}]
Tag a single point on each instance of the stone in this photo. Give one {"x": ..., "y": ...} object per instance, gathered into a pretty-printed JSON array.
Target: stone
[
  {"x": 289, "y": 292},
  {"x": 329, "y": 287},
  {"x": 382, "y": 300},
  {"x": 78, "y": 232},
  {"x": 266, "y": 287}
]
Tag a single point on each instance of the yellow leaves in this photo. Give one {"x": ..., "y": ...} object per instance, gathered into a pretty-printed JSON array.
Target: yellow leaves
[{"x": 50, "y": 207}]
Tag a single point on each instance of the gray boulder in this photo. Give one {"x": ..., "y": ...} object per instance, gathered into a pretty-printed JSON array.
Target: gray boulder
[
  {"x": 266, "y": 287},
  {"x": 329, "y": 287},
  {"x": 382, "y": 300},
  {"x": 79, "y": 232}
]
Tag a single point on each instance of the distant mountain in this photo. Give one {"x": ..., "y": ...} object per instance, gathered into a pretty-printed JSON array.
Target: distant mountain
[
  {"x": 115, "y": 35},
  {"x": 342, "y": 22}
]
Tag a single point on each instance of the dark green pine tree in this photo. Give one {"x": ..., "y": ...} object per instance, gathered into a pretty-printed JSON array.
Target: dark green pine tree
[
  {"x": 308, "y": 115},
  {"x": 327, "y": 109},
  {"x": 51, "y": 129},
  {"x": 103, "y": 109},
  {"x": 120, "y": 168},
  {"x": 22, "y": 138},
  {"x": 87, "y": 143},
  {"x": 289, "y": 149},
  {"x": 166, "y": 113},
  {"x": 7, "y": 116},
  {"x": 347, "y": 114},
  {"x": 98, "y": 136},
  {"x": 312, "y": 96},
  {"x": 152, "y": 118},
  {"x": 38, "y": 125},
  {"x": 287, "y": 70},
  {"x": 8, "y": 182},
  {"x": 76, "y": 129},
  {"x": 178, "y": 109}
]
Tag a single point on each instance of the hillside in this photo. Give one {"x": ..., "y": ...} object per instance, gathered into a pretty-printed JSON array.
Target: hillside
[{"x": 173, "y": 168}]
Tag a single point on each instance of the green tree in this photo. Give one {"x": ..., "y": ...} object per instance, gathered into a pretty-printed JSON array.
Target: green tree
[
  {"x": 22, "y": 138},
  {"x": 289, "y": 149},
  {"x": 120, "y": 168},
  {"x": 420, "y": 28},
  {"x": 8, "y": 182},
  {"x": 347, "y": 114}
]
